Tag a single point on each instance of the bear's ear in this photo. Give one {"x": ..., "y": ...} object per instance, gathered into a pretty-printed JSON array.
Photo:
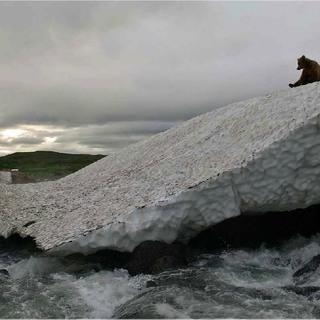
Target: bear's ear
[{"x": 303, "y": 57}]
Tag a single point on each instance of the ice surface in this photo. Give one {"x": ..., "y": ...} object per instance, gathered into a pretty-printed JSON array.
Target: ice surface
[
  {"x": 258, "y": 155},
  {"x": 5, "y": 177}
]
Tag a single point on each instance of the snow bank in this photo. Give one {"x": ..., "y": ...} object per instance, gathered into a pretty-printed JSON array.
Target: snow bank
[
  {"x": 5, "y": 177},
  {"x": 258, "y": 155}
]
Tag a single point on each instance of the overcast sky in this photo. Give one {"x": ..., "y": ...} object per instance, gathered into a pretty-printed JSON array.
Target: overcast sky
[{"x": 93, "y": 77}]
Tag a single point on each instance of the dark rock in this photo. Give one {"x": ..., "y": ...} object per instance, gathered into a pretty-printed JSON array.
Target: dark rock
[
  {"x": 155, "y": 256},
  {"x": 16, "y": 243},
  {"x": 311, "y": 266},
  {"x": 4, "y": 272},
  {"x": 316, "y": 312},
  {"x": 149, "y": 257},
  {"x": 306, "y": 272},
  {"x": 82, "y": 270},
  {"x": 103, "y": 259},
  {"x": 151, "y": 283},
  {"x": 144, "y": 305},
  {"x": 252, "y": 230},
  {"x": 165, "y": 263},
  {"x": 253, "y": 292},
  {"x": 305, "y": 291}
]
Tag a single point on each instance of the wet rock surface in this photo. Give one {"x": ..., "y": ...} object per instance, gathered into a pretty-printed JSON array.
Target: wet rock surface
[
  {"x": 4, "y": 272},
  {"x": 252, "y": 230},
  {"x": 155, "y": 256},
  {"x": 308, "y": 271},
  {"x": 304, "y": 291}
]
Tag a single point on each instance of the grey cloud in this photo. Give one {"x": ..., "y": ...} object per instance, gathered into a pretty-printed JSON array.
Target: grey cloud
[
  {"x": 66, "y": 107},
  {"x": 31, "y": 29},
  {"x": 133, "y": 127},
  {"x": 108, "y": 143},
  {"x": 113, "y": 135},
  {"x": 117, "y": 72},
  {"x": 27, "y": 141}
]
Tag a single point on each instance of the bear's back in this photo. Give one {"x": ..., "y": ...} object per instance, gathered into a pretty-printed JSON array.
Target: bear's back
[{"x": 313, "y": 70}]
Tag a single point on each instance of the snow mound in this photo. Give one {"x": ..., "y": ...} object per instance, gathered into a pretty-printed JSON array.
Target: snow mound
[{"x": 254, "y": 156}]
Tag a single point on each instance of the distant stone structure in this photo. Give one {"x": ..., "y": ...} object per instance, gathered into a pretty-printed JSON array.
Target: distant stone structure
[{"x": 14, "y": 176}]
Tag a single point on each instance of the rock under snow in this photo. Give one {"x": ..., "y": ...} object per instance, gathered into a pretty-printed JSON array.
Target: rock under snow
[{"x": 254, "y": 156}]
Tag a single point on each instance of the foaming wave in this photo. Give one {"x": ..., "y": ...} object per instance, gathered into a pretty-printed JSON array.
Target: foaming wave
[
  {"x": 165, "y": 311},
  {"x": 102, "y": 292},
  {"x": 34, "y": 267}
]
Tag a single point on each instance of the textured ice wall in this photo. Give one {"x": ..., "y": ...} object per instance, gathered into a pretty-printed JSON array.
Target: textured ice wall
[
  {"x": 258, "y": 155},
  {"x": 276, "y": 181}
]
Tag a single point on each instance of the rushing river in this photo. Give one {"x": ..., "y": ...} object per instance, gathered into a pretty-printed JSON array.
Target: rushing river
[{"x": 228, "y": 284}]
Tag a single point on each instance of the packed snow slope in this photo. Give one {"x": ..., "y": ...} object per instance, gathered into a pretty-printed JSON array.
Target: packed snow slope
[{"x": 254, "y": 156}]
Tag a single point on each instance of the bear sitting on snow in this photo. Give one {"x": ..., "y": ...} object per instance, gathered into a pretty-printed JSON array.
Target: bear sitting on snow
[{"x": 310, "y": 72}]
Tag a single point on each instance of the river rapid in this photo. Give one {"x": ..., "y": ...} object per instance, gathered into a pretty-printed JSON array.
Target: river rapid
[{"x": 226, "y": 284}]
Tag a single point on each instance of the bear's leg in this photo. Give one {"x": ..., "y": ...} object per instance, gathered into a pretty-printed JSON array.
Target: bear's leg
[{"x": 296, "y": 84}]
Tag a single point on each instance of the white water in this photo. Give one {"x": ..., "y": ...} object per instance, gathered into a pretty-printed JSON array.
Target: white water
[
  {"x": 33, "y": 292},
  {"x": 232, "y": 284}
]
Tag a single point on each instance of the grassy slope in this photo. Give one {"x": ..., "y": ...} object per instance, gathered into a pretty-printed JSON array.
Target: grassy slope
[{"x": 47, "y": 165}]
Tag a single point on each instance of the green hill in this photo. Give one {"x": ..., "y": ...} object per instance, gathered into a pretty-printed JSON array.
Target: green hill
[{"x": 46, "y": 165}]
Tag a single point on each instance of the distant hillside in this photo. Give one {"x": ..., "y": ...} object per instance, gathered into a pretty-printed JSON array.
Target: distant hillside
[{"x": 46, "y": 165}]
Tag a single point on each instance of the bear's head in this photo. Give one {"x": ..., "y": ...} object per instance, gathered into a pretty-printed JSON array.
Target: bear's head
[{"x": 302, "y": 62}]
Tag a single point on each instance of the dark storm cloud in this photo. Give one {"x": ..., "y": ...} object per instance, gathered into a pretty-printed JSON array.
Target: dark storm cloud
[
  {"x": 27, "y": 141},
  {"x": 113, "y": 135},
  {"x": 92, "y": 67},
  {"x": 68, "y": 108}
]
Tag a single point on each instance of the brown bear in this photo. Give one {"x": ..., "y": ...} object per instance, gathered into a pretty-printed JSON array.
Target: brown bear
[{"x": 310, "y": 72}]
